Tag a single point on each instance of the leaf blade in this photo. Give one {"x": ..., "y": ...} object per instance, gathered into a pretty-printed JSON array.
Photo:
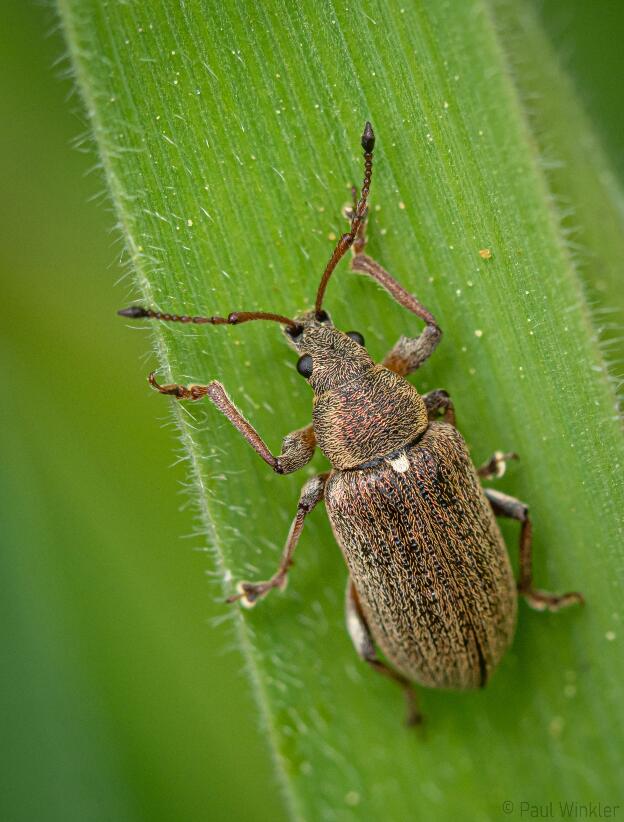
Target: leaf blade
[{"x": 276, "y": 106}]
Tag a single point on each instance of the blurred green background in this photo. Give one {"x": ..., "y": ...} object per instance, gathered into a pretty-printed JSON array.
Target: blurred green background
[
  {"x": 122, "y": 692},
  {"x": 122, "y": 699}
]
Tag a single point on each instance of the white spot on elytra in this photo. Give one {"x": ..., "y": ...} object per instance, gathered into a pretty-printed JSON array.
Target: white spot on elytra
[{"x": 400, "y": 463}]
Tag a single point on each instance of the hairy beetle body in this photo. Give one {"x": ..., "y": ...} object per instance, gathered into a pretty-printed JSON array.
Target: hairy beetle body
[
  {"x": 430, "y": 582},
  {"x": 427, "y": 560}
]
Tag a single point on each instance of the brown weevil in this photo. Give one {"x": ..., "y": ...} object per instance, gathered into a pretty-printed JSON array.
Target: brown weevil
[{"x": 430, "y": 583}]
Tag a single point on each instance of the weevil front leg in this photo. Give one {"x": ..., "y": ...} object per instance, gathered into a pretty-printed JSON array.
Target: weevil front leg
[
  {"x": 311, "y": 494},
  {"x": 506, "y": 506},
  {"x": 409, "y": 353},
  {"x": 297, "y": 447},
  {"x": 363, "y": 643}
]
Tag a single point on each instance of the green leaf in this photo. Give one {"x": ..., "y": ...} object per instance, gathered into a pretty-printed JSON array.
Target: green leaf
[
  {"x": 587, "y": 192},
  {"x": 229, "y": 136}
]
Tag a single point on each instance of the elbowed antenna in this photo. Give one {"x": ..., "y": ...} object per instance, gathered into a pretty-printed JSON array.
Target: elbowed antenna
[
  {"x": 359, "y": 214},
  {"x": 235, "y": 318}
]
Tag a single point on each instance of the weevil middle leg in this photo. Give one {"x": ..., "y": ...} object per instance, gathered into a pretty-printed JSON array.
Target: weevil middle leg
[
  {"x": 297, "y": 447},
  {"x": 363, "y": 644},
  {"x": 495, "y": 467},
  {"x": 311, "y": 494},
  {"x": 506, "y": 506}
]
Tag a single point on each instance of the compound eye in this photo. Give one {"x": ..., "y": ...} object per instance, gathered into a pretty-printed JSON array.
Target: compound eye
[
  {"x": 304, "y": 366},
  {"x": 355, "y": 335},
  {"x": 322, "y": 316}
]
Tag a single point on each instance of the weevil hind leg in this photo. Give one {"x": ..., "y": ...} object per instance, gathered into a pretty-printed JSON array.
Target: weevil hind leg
[
  {"x": 311, "y": 494},
  {"x": 506, "y": 506},
  {"x": 365, "y": 648}
]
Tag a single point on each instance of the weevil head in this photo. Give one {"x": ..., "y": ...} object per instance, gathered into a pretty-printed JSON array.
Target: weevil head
[
  {"x": 362, "y": 411},
  {"x": 328, "y": 357}
]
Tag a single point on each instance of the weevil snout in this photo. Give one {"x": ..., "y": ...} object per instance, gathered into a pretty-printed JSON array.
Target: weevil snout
[{"x": 329, "y": 358}]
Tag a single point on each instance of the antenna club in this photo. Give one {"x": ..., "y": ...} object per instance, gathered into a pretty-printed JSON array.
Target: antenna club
[
  {"x": 134, "y": 312},
  {"x": 368, "y": 138}
]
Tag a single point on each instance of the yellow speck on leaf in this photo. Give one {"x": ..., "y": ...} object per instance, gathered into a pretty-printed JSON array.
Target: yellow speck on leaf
[{"x": 485, "y": 253}]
